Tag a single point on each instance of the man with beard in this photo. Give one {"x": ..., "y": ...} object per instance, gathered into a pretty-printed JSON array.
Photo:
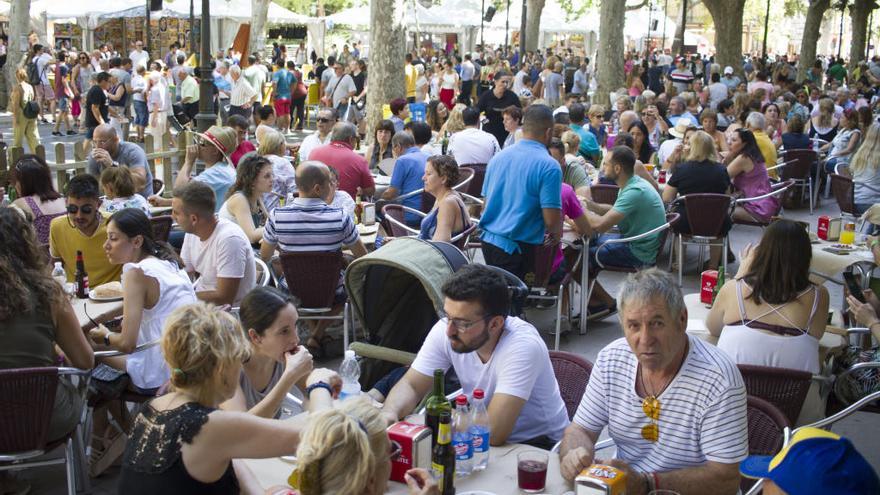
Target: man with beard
[{"x": 502, "y": 355}]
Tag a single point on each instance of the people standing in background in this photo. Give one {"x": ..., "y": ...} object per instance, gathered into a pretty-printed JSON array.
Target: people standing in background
[{"x": 23, "y": 126}]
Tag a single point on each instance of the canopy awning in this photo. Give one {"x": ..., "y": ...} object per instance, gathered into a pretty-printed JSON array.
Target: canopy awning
[{"x": 239, "y": 10}]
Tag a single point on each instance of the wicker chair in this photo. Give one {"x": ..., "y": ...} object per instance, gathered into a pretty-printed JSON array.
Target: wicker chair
[
  {"x": 28, "y": 398},
  {"x": 572, "y": 375},
  {"x": 784, "y": 388},
  {"x": 843, "y": 189},
  {"x": 312, "y": 278},
  {"x": 158, "y": 187},
  {"x": 706, "y": 216},
  {"x": 604, "y": 193},
  {"x": 475, "y": 186},
  {"x": 162, "y": 227},
  {"x": 799, "y": 168},
  {"x": 540, "y": 287},
  {"x": 766, "y": 429}
]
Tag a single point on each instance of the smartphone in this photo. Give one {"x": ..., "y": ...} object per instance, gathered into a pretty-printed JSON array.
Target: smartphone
[{"x": 853, "y": 285}]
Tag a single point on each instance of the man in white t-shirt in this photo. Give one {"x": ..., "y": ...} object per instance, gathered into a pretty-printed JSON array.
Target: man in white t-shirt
[
  {"x": 502, "y": 355},
  {"x": 472, "y": 144},
  {"x": 674, "y": 405},
  {"x": 139, "y": 57},
  {"x": 215, "y": 250}
]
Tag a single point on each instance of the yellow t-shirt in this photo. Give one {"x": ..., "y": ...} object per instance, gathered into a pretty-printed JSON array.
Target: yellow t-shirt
[
  {"x": 65, "y": 241},
  {"x": 411, "y": 77},
  {"x": 768, "y": 151}
]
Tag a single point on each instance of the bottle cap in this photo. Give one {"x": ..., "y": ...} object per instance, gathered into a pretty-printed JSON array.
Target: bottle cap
[
  {"x": 478, "y": 393},
  {"x": 461, "y": 400},
  {"x": 349, "y": 355}
]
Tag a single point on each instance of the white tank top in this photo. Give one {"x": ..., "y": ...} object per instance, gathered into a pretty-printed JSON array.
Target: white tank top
[
  {"x": 750, "y": 346},
  {"x": 148, "y": 368},
  {"x": 448, "y": 81}
]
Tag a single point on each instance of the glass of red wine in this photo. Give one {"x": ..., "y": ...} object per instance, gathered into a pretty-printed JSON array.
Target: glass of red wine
[{"x": 531, "y": 470}]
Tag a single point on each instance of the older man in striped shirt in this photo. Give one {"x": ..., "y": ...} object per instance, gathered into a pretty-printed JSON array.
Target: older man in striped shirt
[
  {"x": 243, "y": 96},
  {"x": 674, "y": 405}
]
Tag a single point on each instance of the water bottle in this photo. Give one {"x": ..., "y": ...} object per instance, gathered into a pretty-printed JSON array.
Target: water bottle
[
  {"x": 350, "y": 372},
  {"x": 461, "y": 437},
  {"x": 5, "y": 201},
  {"x": 480, "y": 430},
  {"x": 59, "y": 274}
]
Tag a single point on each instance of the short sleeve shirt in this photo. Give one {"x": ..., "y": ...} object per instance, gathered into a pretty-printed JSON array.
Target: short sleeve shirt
[
  {"x": 129, "y": 155},
  {"x": 642, "y": 211},
  {"x": 519, "y": 366},
  {"x": 702, "y": 415},
  {"x": 310, "y": 224},
  {"x": 407, "y": 177},
  {"x": 354, "y": 172},
  {"x": 219, "y": 178},
  {"x": 282, "y": 79},
  {"x": 97, "y": 97},
  {"x": 227, "y": 253},
  {"x": 700, "y": 177},
  {"x": 589, "y": 147},
  {"x": 65, "y": 241}
]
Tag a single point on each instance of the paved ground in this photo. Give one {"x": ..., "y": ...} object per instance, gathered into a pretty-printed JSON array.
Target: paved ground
[{"x": 861, "y": 428}]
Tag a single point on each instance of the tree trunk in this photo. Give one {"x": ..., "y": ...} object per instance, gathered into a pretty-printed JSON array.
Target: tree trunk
[
  {"x": 678, "y": 41},
  {"x": 257, "y": 37},
  {"x": 858, "y": 12},
  {"x": 812, "y": 25},
  {"x": 609, "y": 65},
  {"x": 728, "y": 18},
  {"x": 533, "y": 23},
  {"x": 19, "y": 17},
  {"x": 385, "y": 78}
]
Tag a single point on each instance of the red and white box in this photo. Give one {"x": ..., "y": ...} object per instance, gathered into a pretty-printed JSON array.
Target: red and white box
[
  {"x": 415, "y": 448},
  {"x": 828, "y": 228},
  {"x": 708, "y": 281}
]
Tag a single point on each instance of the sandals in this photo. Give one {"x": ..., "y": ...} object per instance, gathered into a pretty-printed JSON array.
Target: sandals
[{"x": 111, "y": 448}]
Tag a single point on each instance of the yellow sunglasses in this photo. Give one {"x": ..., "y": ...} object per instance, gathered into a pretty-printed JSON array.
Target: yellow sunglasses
[{"x": 651, "y": 407}]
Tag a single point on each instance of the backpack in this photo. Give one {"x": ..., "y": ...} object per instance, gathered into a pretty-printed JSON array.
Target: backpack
[
  {"x": 30, "y": 109},
  {"x": 33, "y": 73}
]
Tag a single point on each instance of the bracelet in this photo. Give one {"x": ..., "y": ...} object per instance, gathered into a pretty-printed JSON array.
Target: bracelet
[
  {"x": 324, "y": 385},
  {"x": 656, "y": 478},
  {"x": 649, "y": 482}
]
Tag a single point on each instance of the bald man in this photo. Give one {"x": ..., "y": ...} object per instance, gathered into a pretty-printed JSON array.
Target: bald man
[{"x": 109, "y": 151}]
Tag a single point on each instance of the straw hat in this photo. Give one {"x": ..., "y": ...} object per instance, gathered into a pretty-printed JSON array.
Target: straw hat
[
  {"x": 681, "y": 127},
  {"x": 224, "y": 139}
]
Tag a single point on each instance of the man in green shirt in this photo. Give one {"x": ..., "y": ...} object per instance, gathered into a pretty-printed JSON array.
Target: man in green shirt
[
  {"x": 837, "y": 71},
  {"x": 189, "y": 94},
  {"x": 638, "y": 209}
]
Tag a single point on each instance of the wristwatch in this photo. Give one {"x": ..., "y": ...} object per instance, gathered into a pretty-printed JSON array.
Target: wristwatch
[
  {"x": 107, "y": 339},
  {"x": 324, "y": 385}
]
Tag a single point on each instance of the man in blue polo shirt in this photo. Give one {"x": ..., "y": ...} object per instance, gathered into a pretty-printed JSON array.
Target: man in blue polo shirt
[
  {"x": 408, "y": 172},
  {"x": 523, "y": 197}
]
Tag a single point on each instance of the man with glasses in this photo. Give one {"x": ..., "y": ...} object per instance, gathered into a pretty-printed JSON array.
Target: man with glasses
[
  {"x": 492, "y": 103},
  {"x": 500, "y": 354},
  {"x": 674, "y": 405},
  {"x": 326, "y": 118},
  {"x": 109, "y": 151},
  {"x": 83, "y": 229}
]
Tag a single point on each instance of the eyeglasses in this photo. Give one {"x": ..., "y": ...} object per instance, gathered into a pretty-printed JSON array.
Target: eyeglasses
[
  {"x": 651, "y": 407},
  {"x": 323, "y": 120},
  {"x": 460, "y": 325},
  {"x": 86, "y": 209}
]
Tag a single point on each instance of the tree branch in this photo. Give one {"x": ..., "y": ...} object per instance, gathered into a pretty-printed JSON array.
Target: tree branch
[{"x": 637, "y": 6}]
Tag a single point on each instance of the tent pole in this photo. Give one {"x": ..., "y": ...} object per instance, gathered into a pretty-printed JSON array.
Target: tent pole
[
  {"x": 147, "y": 29},
  {"x": 522, "y": 34},
  {"x": 482, "y": 17},
  {"x": 507, "y": 32}
]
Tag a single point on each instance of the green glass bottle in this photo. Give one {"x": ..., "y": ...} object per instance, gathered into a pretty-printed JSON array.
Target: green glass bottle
[
  {"x": 437, "y": 404},
  {"x": 443, "y": 457}
]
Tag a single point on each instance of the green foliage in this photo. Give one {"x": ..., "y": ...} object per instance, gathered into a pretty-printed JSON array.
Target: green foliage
[
  {"x": 794, "y": 7},
  {"x": 330, "y": 6},
  {"x": 575, "y": 8}
]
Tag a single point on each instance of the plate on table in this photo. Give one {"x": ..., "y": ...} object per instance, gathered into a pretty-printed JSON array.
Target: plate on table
[
  {"x": 96, "y": 298},
  {"x": 840, "y": 249},
  {"x": 289, "y": 458},
  {"x": 368, "y": 229}
]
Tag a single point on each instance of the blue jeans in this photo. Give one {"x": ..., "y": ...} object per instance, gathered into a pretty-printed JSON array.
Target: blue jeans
[
  {"x": 613, "y": 254},
  {"x": 141, "y": 115}
]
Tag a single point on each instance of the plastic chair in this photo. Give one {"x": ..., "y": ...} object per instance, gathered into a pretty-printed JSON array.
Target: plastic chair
[
  {"x": 605, "y": 194},
  {"x": 572, "y": 375},
  {"x": 394, "y": 218},
  {"x": 778, "y": 190},
  {"x": 312, "y": 277},
  {"x": 465, "y": 176},
  {"x": 784, "y": 388},
  {"x": 313, "y": 101},
  {"x": 799, "y": 166},
  {"x": 158, "y": 187},
  {"x": 28, "y": 398},
  {"x": 766, "y": 427},
  {"x": 162, "y": 227},
  {"x": 706, "y": 215}
]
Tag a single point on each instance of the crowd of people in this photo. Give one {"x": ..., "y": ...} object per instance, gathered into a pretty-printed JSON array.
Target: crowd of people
[{"x": 230, "y": 349}]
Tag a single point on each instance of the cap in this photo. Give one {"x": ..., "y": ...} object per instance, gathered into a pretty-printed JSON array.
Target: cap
[
  {"x": 728, "y": 70},
  {"x": 562, "y": 109},
  {"x": 224, "y": 139},
  {"x": 478, "y": 393},
  {"x": 681, "y": 127},
  {"x": 461, "y": 400},
  {"x": 815, "y": 462}
]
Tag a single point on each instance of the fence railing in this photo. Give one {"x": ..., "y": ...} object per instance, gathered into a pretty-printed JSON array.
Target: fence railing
[{"x": 62, "y": 168}]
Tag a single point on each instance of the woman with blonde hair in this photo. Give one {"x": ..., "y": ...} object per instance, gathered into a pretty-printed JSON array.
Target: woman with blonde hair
[
  {"x": 244, "y": 200},
  {"x": 865, "y": 169},
  {"x": 455, "y": 122},
  {"x": 824, "y": 125},
  {"x": 274, "y": 148},
  {"x": 23, "y": 126},
  {"x": 181, "y": 443},
  {"x": 351, "y": 440}
]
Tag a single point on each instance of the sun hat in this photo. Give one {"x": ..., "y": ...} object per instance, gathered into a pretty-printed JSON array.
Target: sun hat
[
  {"x": 815, "y": 462},
  {"x": 728, "y": 70},
  {"x": 224, "y": 139},
  {"x": 681, "y": 127}
]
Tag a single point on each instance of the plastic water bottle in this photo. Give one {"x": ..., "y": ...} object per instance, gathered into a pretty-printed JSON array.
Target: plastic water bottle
[
  {"x": 480, "y": 430},
  {"x": 59, "y": 274},
  {"x": 461, "y": 437},
  {"x": 350, "y": 372}
]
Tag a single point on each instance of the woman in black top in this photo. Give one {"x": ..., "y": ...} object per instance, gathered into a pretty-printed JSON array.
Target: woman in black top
[
  {"x": 795, "y": 139},
  {"x": 700, "y": 173},
  {"x": 181, "y": 443}
]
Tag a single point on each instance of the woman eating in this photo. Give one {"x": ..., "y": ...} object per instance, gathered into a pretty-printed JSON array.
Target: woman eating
[
  {"x": 37, "y": 196},
  {"x": 244, "y": 201},
  {"x": 278, "y": 363},
  {"x": 449, "y": 216},
  {"x": 745, "y": 166}
]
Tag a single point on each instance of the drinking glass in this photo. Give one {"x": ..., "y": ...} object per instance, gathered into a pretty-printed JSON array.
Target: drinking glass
[{"x": 531, "y": 470}]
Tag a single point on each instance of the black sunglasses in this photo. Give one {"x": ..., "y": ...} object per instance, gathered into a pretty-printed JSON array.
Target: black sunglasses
[
  {"x": 323, "y": 120},
  {"x": 86, "y": 209}
]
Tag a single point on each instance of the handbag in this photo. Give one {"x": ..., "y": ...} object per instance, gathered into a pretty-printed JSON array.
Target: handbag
[
  {"x": 30, "y": 109},
  {"x": 75, "y": 109},
  {"x": 107, "y": 383}
]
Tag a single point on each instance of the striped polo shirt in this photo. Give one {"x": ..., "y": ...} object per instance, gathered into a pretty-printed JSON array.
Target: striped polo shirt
[
  {"x": 310, "y": 224},
  {"x": 702, "y": 411}
]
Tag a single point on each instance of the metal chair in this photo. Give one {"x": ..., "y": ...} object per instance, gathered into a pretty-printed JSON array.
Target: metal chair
[
  {"x": 572, "y": 375},
  {"x": 475, "y": 186},
  {"x": 604, "y": 193},
  {"x": 312, "y": 277},
  {"x": 263, "y": 273},
  {"x": 540, "y": 287},
  {"x": 777, "y": 190},
  {"x": 784, "y": 388},
  {"x": 465, "y": 176},
  {"x": 766, "y": 426},
  {"x": 28, "y": 397},
  {"x": 162, "y": 227},
  {"x": 800, "y": 164},
  {"x": 158, "y": 187},
  {"x": 394, "y": 215},
  {"x": 706, "y": 215},
  {"x": 663, "y": 230}
]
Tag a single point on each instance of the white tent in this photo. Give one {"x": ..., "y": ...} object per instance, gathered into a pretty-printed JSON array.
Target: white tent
[
  {"x": 638, "y": 22},
  {"x": 359, "y": 17},
  {"x": 553, "y": 20},
  {"x": 239, "y": 10},
  {"x": 4, "y": 8}
]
